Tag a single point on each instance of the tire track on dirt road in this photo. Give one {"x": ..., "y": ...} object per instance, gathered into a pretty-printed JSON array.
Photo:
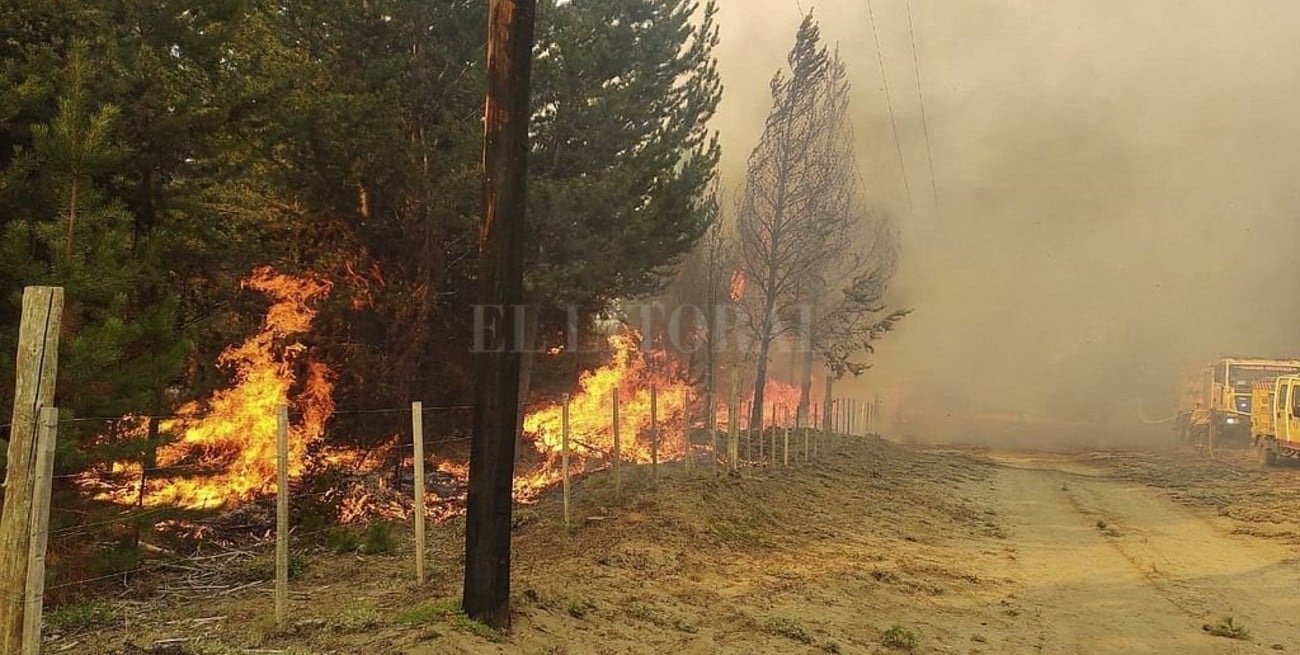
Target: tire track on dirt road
[{"x": 1112, "y": 567}]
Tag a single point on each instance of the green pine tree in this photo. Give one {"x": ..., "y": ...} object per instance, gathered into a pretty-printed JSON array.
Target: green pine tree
[
  {"x": 622, "y": 159},
  {"x": 120, "y": 347}
]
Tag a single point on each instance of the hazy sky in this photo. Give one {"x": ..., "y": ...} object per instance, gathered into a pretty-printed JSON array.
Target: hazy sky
[{"x": 1117, "y": 182}]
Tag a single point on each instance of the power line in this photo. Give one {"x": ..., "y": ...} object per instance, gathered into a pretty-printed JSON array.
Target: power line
[
  {"x": 925, "y": 124},
  {"x": 898, "y": 145}
]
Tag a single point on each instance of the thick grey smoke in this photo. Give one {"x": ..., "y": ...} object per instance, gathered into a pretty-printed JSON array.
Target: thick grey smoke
[{"x": 1118, "y": 189}]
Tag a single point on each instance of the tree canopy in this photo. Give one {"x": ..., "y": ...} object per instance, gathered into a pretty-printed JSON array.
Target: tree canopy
[{"x": 152, "y": 154}]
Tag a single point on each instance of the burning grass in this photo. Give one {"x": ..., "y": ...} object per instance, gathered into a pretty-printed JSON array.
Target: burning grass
[{"x": 630, "y": 374}]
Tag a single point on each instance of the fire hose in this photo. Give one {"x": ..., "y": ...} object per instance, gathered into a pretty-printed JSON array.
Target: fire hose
[{"x": 1142, "y": 410}]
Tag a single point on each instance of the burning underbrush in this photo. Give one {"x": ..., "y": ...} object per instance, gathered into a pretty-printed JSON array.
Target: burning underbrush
[
  {"x": 652, "y": 395},
  {"x": 213, "y": 472}
]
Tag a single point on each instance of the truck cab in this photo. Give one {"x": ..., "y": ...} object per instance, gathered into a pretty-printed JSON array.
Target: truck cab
[
  {"x": 1275, "y": 419},
  {"x": 1231, "y": 403}
]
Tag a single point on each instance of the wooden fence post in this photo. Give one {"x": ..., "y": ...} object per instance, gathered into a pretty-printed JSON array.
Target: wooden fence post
[
  {"x": 816, "y": 423},
  {"x": 36, "y": 365},
  {"x": 417, "y": 440},
  {"x": 772, "y": 438},
  {"x": 564, "y": 455},
  {"x": 39, "y": 530},
  {"x": 713, "y": 430},
  {"x": 828, "y": 407},
  {"x": 618, "y": 474},
  {"x": 733, "y": 422},
  {"x": 747, "y": 411},
  {"x": 785, "y": 452},
  {"x": 282, "y": 519},
  {"x": 654, "y": 433}
]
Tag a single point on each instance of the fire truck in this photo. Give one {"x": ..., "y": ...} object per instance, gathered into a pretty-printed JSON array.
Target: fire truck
[
  {"x": 1215, "y": 401},
  {"x": 1275, "y": 419}
]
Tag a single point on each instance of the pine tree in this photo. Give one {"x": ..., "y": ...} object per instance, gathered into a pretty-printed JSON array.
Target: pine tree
[
  {"x": 122, "y": 347},
  {"x": 796, "y": 214},
  {"x": 622, "y": 159}
]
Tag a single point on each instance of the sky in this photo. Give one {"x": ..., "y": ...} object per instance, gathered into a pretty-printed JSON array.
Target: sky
[{"x": 1116, "y": 182}]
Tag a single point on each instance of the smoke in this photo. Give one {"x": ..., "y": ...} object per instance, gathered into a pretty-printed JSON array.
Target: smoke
[{"x": 1117, "y": 186}]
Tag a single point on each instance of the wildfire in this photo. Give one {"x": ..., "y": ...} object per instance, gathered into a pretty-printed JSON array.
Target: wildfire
[
  {"x": 781, "y": 395},
  {"x": 737, "y": 286},
  {"x": 231, "y": 437},
  {"x": 631, "y": 374}
]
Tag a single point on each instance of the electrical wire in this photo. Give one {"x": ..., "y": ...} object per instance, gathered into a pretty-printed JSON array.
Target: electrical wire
[
  {"x": 893, "y": 122},
  {"x": 925, "y": 123}
]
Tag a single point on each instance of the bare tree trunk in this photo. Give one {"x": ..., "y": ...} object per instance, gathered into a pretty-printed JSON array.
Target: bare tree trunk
[
  {"x": 805, "y": 387},
  {"x": 72, "y": 215},
  {"x": 486, "y": 595},
  {"x": 760, "y": 380}
]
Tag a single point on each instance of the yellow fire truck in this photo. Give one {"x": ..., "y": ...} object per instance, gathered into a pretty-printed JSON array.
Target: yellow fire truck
[
  {"x": 1215, "y": 402},
  {"x": 1275, "y": 419}
]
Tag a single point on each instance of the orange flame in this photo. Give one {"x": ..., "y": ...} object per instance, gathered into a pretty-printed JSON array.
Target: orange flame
[
  {"x": 631, "y": 374},
  {"x": 737, "y": 286},
  {"x": 783, "y": 396},
  {"x": 233, "y": 433}
]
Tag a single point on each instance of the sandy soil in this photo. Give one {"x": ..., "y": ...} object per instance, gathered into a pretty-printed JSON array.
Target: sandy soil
[{"x": 878, "y": 545}]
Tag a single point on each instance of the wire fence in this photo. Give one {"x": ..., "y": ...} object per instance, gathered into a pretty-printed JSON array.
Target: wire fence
[{"x": 716, "y": 443}]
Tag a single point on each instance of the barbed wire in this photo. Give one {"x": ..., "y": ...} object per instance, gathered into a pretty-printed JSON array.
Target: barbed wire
[
  {"x": 198, "y": 416},
  {"x": 161, "y": 471}
]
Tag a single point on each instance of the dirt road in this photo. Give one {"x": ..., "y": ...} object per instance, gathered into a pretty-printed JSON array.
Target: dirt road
[{"x": 1109, "y": 566}]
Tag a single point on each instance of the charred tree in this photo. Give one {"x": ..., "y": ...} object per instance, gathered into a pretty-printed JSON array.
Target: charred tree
[
  {"x": 856, "y": 312},
  {"x": 795, "y": 212},
  {"x": 505, "y": 156}
]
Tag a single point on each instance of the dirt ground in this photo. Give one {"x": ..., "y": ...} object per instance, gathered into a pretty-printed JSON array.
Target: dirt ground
[{"x": 878, "y": 548}]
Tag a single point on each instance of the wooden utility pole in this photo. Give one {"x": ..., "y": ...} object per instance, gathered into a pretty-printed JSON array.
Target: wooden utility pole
[
  {"x": 486, "y": 595},
  {"x": 37, "y": 367}
]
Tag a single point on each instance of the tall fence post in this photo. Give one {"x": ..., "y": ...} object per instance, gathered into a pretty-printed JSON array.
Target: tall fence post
[
  {"x": 816, "y": 434},
  {"x": 772, "y": 437},
  {"x": 733, "y": 422},
  {"x": 417, "y": 440},
  {"x": 39, "y": 530},
  {"x": 808, "y": 428},
  {"x": 654, "y": 433},
  {"x": 618, "y": 473},
  {"x": 564, "y": 455},
  {"x": 282, "y": 519},
  {"x": 828, "y": 407},
  {"x": 713, "y": 429},
  {"x": 747, "y": 411},
  {"x": 36, "y": 365},
  {"x": 785, "y": 452}
]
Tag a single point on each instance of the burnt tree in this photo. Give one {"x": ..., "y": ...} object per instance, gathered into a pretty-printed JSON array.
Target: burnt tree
[{"x": 797, "y": 208}]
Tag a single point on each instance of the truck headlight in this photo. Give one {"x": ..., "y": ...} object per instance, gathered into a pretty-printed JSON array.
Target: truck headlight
[{"x": 1232, "y": 420}]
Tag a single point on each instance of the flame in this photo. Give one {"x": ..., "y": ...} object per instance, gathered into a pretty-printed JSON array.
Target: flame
[
  {"x": 631, "y": 374},
  {"x": 737, "y": 286},
  {"x": 231, "y": 437},
  {"x": 784, "y": 396}
]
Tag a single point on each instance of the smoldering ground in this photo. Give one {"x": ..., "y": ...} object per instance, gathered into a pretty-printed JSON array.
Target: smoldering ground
[{"x": 1116, "y": 187}]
